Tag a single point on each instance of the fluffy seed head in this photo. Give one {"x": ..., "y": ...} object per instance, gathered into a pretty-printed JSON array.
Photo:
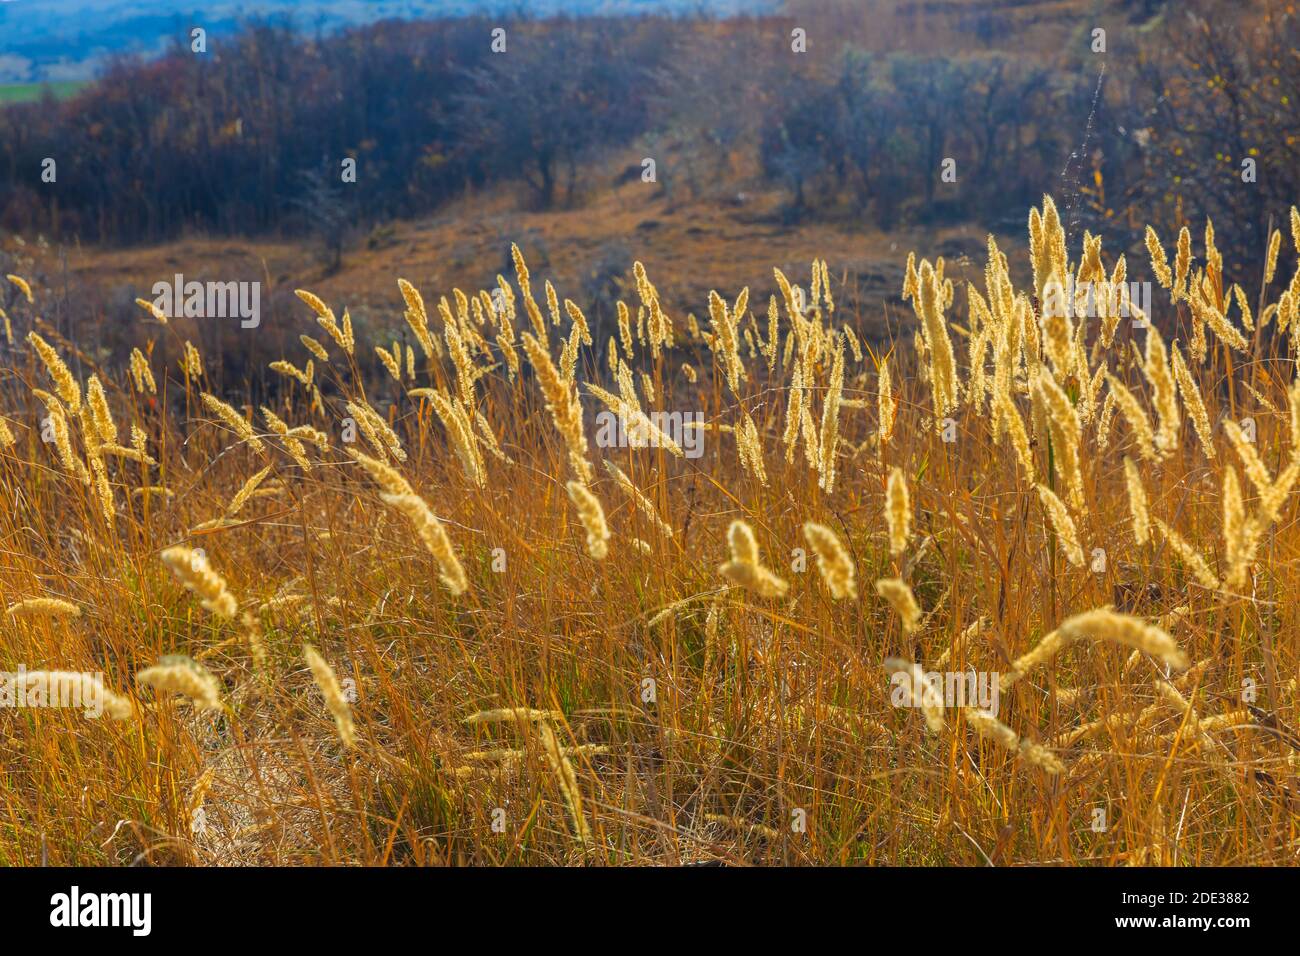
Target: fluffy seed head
[
  {"x": 901, "y": 598},
  {"x": 68, "y": 689},
  {"x": 898, "y": 512},
  {"x": 52, "y": 607},
  {"x": 185, "y": 677},
  {"x": 330, "y": 689},
  {"x": 434, "y": 536},
  {"x": 744, "y": 568},
  {"x": 1137, "y": 502},
  {"x": 192, "y": 569},
  {"x": 833, "y": 560},
  {"x": 1106, "y": 624},
  {"x": 1063, "y": 524},
  {"x": 922, "y": 690},
  {"x": 64, "y": 384},
  {"x": 592, "y": 516},
  {"x": 567, "y": 780}
]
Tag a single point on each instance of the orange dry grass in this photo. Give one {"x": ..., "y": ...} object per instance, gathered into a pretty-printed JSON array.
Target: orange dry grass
[{"x": 640, "y": 708}]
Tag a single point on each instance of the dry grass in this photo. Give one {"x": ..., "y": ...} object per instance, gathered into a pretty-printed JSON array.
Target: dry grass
[
  {"x": 520, "y": 656},
  {"x": 690, "y": 246}
]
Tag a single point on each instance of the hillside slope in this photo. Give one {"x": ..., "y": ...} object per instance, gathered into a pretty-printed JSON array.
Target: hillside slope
[{"x": 724, "y": 243}]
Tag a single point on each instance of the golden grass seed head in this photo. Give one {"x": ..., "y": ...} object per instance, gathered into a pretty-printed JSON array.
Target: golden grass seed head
[
  {"x": 64, "y": 384},
  {"x": 1106, "y": 624},
  {"x": 50, "y": 607},
  {"x": 435, "y": 538},
  {"x": 186, "y": 678},
  {"x": 1136, "y": 417},
  {"x": 833, "y": 560},
  {"x": 745, "y": 568},
  {"x": 592, "y": 516},
  {"x": 22, "y": 286},
  {"x": 71, "y": 688},
  {"x": 1063, "y": 525},
  {"x": 1137, "y": 500},
  {"x": 567, "y": 780},
  {"x": 643, "y": 504},
  {"x": 898, "y": 511},
  {"x": 1191, "y": 394},
  {"x": 922, "y": 690},
  {"x": 902, "y": 600},
  {"x": 1163, "y": 392},
  {"x": 1189, "y": 556},
  {"x": 332, "y": 691},
  {"x": 236, "y": 422},
  {"x": 191, "y": 568}
]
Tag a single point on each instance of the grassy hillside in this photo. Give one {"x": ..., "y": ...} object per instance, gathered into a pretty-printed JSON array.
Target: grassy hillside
[
  {"x": 697, "y": 245},
  {"x": 418, "y": 611},
  {"x": 779, "y": 509}
]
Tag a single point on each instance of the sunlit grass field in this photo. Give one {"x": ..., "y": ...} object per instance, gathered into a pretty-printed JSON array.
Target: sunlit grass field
[{"x": 417, "y": 609}]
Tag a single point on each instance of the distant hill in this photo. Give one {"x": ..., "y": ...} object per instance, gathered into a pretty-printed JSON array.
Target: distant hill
[{"x": 59, "y": 40}]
